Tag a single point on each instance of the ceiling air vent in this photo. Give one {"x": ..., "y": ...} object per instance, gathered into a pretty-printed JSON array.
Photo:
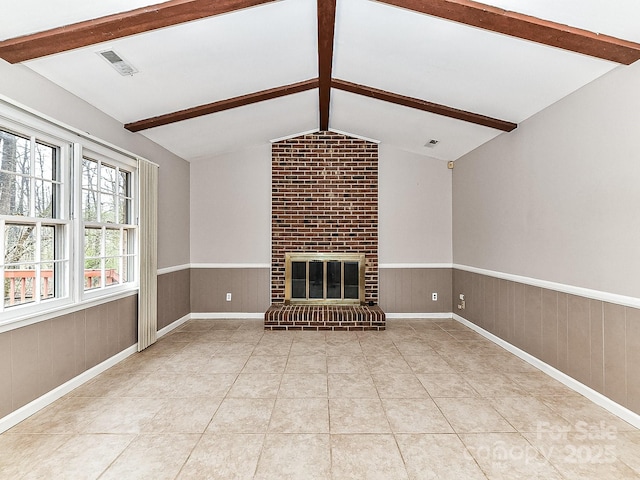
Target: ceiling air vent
[
  {"x": 117, "y": 62},
  {"x": 432, "y": 143}
]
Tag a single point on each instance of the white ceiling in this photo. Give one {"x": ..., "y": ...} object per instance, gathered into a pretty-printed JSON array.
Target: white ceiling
[
  {"x": 194, "y": 63},
  {"x": 276, "y": 44},
  {"x": 452, "y": 64}
]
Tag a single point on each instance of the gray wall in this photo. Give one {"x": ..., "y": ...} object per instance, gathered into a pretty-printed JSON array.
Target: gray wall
[
  {"x": 595, "y": 342},
  {"x": 231, "y": 223},
  {"x": 414, "y": 194},
  {"x": 557, "y": 199},
  {"x": 30, "y": 89},
  {"x": 231, "y": 208},
  {"x": 249, "y": 288},
  {"x": 174, "y": 297},
  {"x": 408, "y": 290},
  {"x": 38, "y": 358}
]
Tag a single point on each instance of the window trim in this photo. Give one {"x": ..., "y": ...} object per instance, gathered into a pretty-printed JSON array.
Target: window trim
[
  {"x": 63, "y": 219},
  {"x": 111, "y": 159},
  {"x": 24, "y": 121}
]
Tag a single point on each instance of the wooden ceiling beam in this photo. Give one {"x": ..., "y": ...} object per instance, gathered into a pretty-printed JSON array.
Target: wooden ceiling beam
[
  {"x": 222, "y": 105},
  {"x": 363, "y": 90},
  {"x": 424, "y": 105},
  {"x": 326, "y": 31},
  {"x": 119, "y": 25},
  {"x": 526, "y": 27}
]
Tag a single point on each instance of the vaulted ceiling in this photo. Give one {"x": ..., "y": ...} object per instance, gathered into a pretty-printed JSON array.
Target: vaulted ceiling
[{"x": 217, "y": 76}]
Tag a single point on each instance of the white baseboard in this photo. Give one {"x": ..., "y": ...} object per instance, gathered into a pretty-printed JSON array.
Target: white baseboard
[
  {"x": 226, "y": 315},
  {"x": 596, "y": 397},
  {"x": 260, "y": 316},
  {"x": 209, "y": 316},
  {"x": 48, "y": 398},
  {"x": 172, "y": 326},
  {"x": 414, "y": 265},
  {"x": 443, "y": 315}
]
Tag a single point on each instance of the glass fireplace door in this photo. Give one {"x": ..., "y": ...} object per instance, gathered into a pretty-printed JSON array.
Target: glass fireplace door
[{"x": 324, "y": 278}]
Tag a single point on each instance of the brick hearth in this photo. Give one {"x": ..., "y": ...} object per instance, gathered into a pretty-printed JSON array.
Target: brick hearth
[{"x": 324, "y": 317}]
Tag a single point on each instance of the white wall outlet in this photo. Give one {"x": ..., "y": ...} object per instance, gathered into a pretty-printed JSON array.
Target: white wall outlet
[
  {"x": 228, "y": 297},
  {"x": 434, "y": 296},
  {"x": 462, "y": 305}
]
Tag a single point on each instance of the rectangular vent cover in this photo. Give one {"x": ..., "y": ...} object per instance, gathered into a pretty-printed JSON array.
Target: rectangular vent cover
[{"x": 116, "y": 61}]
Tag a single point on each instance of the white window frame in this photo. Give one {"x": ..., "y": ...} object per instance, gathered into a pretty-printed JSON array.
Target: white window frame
[
  {"x": 72, "y": 143},
  {"x": 95, "y": 152},
  {"x": 62, "y": 220}
]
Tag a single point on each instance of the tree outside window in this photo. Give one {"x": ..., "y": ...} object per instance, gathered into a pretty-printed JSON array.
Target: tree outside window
[
  {"x": 108, "y": 228},
  {"x": 30, "y": 190}
]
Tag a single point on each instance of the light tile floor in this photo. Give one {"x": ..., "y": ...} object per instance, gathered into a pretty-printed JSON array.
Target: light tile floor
[{"x": 223, "y": 399}]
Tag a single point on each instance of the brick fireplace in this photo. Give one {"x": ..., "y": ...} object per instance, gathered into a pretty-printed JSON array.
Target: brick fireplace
[{"x": 324, "y": 200}]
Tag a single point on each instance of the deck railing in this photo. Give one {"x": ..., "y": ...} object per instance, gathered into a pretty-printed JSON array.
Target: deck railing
[{"x": 22, "y": 282}]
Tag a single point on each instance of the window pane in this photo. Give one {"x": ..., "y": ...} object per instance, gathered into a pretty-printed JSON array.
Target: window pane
[
  {"x": 44, "y": 199},
  {"x": 93, "y": 244},
  {"x": 127, "y": 246},
  {"x": 123, "y": 184},
  {"x": 112, "y": 242},
  {"x": 127, "y": 266},
  {"x": 109, "y": 254},
  {"x": 47, "y": 247},
  {"x": 14, "y": 195},
  {"x": 89, "y": 174},
  {"x": 45, "y": 161},
  {"x": 92, "y": 274},
  {"x": 112, "y": 271},
  {"x": 20, "y": 243},
  {"x": 15, "y": 154},
  {"x": 47, "y": 279},
  {"x": 123, "y": 215},
  {"x": 18, "y": 285},
  {"x": 90, "y": 205},
  {"x": 107, "y": 208},
  {"x": 109, "y": 179}
]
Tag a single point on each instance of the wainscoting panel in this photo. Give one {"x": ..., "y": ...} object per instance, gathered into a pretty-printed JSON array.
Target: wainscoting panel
[
  {"x": 408, "y": 290},
  {"x": 37, "y": 358},
  {"x": 594, "y": 341},
  {"x": 174, "y": 301},
  {"x": 249, "y": 288}
]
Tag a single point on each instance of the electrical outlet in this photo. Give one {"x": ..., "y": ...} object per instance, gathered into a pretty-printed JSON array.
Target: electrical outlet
[
  {"x": 434, "y": 296},
  {"x": 228, "y": 297}
]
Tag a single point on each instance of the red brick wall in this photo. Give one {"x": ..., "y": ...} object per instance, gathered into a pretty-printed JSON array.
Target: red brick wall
[{"x": 324, "y": 199}]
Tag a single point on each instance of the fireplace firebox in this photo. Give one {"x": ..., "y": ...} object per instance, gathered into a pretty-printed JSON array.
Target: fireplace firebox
[{"x": 325, "y": 278}]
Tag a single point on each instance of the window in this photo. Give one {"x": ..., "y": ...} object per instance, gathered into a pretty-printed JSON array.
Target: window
[
  {"x": 108, "y": 226},
  {"x": 67, "y": 217},
  {"x": 34, "y": 261}
]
